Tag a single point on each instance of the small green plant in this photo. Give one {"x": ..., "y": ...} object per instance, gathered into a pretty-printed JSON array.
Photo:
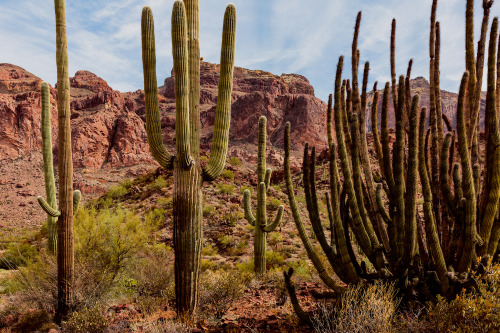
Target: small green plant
[
  {"x": 273, "y": 203},
  {"x": 165, "y": 202},
  {"x": 91, "y": 320},
  {"x": 158, "y": 184},
  {"x": 235, "y": 161},
  {"x": 116, "y": 192},
  {"x": 219, "y": 290},
  {"x": 225, "y": 188},
  {"x": 228, "y": 175},
  {"x": 209, "y": 250},
  {"x": 233, "y": 215},
  {"x": 208, "y": 210}
]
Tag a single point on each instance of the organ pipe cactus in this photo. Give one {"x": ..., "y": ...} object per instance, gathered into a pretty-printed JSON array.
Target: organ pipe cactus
[
  {"x": 260, "y": 222},
  {"x": 461, "y": 203},
  {"x": 188, "y": 174},
  {"x": 50, "y": 205}
]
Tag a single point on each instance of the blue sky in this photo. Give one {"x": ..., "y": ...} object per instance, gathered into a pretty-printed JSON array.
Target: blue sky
[{"x": 280, "y": 36}]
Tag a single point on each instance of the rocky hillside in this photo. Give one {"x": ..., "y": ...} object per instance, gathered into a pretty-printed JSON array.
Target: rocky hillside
[
  {"x": 420, "y": 86},
  {"x": 108, "y": 128}
]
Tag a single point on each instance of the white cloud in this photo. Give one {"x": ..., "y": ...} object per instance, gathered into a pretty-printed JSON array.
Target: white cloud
[{"x": 278, "y": 36}]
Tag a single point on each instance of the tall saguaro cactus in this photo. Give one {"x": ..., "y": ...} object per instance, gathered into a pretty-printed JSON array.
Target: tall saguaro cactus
[
  {"x": 68, "y": 199},
  {"x": 188, "y": 174},
  {"x": 50, "y": 206},
  {"x": 260, "y": 223}
]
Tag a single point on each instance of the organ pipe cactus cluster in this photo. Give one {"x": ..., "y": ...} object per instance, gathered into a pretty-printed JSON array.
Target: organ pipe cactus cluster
[
  {"x": 461, "y": 204},
  {"x": 50, "y": 205},
  {"x": 188, "y": 174},
  {"x": 260, "y": 222}
]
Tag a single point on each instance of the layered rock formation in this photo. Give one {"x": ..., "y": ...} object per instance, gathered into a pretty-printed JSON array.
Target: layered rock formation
[{"x": 108, "y": 127}]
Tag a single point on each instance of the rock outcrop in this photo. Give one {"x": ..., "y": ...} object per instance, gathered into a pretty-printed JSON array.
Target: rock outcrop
[{"x": 108, "y": 127}]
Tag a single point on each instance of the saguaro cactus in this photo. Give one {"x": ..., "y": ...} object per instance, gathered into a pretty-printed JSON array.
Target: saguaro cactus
[
  {"x": 188, "y": 175},
  {"x": 260, "y": 223},
  {"x": 50, "y": 206},
  {"x": 48, "y": 171},
  {"x": 67, "y": 197}
]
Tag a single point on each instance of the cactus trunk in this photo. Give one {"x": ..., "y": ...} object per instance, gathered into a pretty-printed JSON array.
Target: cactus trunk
[
  {"x": 65, "y": 248},
  {"x": 188, "y": 175}
]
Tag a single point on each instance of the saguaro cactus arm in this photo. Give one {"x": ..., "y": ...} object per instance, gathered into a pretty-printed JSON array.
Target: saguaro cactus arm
[
  {"x": 277, "y": 220},
  {"x": 77, "y": 196},
  {"x": 48, "y": 168},
  {"x": 223, "y": 110},
  {"x": 267, "y": 178},
  {"x": 47, "y": 208},
  {"x": 248, "y": 208},
  {"x": 181, "y": 69},
  {"x": 153, "y": 120}
]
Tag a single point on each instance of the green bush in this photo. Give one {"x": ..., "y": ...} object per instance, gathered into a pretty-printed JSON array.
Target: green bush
[
  {"x": 17, "y": 255},
  {"x": 158, "y": 184},
  {"x": 232, "y": 216},
  {"x": 225, "y": 188},
  {"x": 273, "y": 203},
  {"x": 274, "y": 260},
  {"x": 228, "y": 175},
  {"x": 235, "y": 161},
  {"x": 208, "y": 210},
  {"x": 90, "y": 320},
  {"x": 219, "y": 290},
  {"x": 116, "y": 191}
]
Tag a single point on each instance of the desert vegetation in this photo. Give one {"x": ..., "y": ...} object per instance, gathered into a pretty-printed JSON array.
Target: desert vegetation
[{"x": 387, "y": 230}]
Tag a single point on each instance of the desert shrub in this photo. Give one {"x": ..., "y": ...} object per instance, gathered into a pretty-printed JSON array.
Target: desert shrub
[
  {"x": 16, "y": 255},
  {"x": 127, "y": 183},
  {"x": 158, "y": 184},
  {"x": 235, "y": 161},
  {"x": 225, "y": 188},
  {"x": 228, "y": 175},
  {"x": 225, "y": 242},
  {"x": 360, "y": 309},
  {"x": 274, "y": 260},
  {"x": 204, "y": 159},
  {"x": 90, "y": 320},
  {"x": 219, "y": 290},
  {"x": 208, "y": 210},
  {"x": 232, "y": 216},
  {"x": 106, "y": 246},
  {"x": 273, "y": 203},
  {"x": 116, "y": 191},
  {"x": 166, "y": 202},
  {"x": 479, "y": 312},
  {"x": 209, "y": 250},
  {"x": 160, "y": 326},
  {"x": 155, "y": 218},
  {"x": 152, "y": 278}
]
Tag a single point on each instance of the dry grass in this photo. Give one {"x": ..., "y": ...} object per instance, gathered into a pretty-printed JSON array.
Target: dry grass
[{"x": 360, "y": 309}]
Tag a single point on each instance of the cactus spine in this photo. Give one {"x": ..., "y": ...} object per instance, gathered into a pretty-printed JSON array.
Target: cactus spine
[
  {"x": 260, "y": 223},
  {"x": 188, "y": 175}
]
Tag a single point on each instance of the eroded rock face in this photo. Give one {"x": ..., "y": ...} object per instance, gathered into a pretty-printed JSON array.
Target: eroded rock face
[{"x": 108, "y": 127}]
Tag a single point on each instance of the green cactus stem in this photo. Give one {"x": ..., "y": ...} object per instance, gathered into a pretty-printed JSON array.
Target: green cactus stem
[
  {"x": 260, "y": 223},
  {"x": 188, "y": 175},
  {"x": 50, "y": 207}
]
